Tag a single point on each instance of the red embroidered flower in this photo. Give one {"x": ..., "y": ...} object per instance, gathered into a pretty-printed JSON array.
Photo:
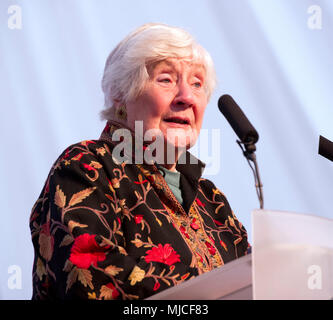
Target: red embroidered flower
[
  {"x": 156, "y": 286},
  {"x": 85, "y": 251},
  {"x": 86, "y": 142},
  {"x": 218, "y": 222},
  {"x": 78, "y": 157},
  {"x": 138, "y": 218},
  {"x": 211, "y": 239},
  {"x": 185, "y": 276},
  {"x": 183, "y": 231},
  {"x": 194, "y": 225},
  {"x": 113, "y": 291},
  {"x": 211, "y": 249},
  {"x": 141, "y": 182},
  {"x": 224, "y": 245},
  {"x": 199, "y": 202},
  {"x": 201, "y": 259},
  {"x": 66, "y": 154},
  {"x": 87, "y": 166},
  {"x": 119, "y": 221},
  {"x": 165, "y": 254}
]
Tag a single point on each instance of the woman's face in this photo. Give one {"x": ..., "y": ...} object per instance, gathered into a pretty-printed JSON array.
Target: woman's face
[{"x": 173, "y": 102}]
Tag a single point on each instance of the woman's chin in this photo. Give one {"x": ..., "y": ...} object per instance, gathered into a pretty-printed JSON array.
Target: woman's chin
[{"x": 180, "y": 138}]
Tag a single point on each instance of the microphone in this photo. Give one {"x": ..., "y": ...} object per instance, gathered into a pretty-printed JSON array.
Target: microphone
[
  {"x": 325, "y": 148},
  {"x": 238, "y": 120},
  {"x": 246, "y": 133}
]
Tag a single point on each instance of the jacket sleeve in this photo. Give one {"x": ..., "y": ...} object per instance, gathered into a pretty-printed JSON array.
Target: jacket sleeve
[
  {"x": 80, "y": 248},
  {"x": 225, "y": 219}
]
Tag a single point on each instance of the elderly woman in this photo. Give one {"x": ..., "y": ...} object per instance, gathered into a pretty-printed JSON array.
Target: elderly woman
[{"x": 127, "y": 222}]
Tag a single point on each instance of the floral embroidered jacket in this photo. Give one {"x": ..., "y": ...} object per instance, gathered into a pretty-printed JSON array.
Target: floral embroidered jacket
[{"x": 102, "y": 229}]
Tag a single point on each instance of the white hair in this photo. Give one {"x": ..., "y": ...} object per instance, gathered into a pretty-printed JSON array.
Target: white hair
[{"x": 125, "y": 72}]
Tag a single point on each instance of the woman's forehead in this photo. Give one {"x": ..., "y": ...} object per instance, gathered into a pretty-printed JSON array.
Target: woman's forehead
[{"x": 178, "y": 64}]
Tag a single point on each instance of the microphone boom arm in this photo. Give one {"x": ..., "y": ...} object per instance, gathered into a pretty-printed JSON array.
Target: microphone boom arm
[{"x": 249, "y": 153}]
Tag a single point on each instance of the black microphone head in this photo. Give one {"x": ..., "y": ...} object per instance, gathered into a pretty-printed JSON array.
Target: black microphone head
[
  {"x": 237, "y": 119},
  {"x": 325, "y": 148}
]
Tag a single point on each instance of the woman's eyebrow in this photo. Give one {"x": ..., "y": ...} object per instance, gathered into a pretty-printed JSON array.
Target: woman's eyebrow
[
  {"x": 166, "y": 69},
  {"x": 166, "y": 65}
]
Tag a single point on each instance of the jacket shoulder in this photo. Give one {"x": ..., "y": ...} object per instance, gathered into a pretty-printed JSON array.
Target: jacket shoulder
[
  {"x": 208, "y": 187},
  {"x": 85, "y": 152}
]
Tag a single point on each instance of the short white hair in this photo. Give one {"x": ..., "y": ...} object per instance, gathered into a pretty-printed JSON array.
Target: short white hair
[{"x": 125, "y": 72}]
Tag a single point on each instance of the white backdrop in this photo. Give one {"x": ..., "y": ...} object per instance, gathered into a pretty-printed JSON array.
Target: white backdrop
[{"x": 273, "y": 56}]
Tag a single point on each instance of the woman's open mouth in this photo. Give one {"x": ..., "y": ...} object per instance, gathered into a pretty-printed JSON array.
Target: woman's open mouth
[{"x": 177, "y": 121}]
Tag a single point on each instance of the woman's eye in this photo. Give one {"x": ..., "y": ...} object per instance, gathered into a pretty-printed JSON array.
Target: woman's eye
[
  {"x": 197, "y": 84},
  {"x": 165, "y": 80}
]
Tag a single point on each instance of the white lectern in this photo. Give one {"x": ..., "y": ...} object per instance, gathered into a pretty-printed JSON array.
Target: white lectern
[{"x": 292, "y": 258}]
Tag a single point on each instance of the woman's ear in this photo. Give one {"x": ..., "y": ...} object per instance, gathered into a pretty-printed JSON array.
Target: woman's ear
[{"x": 120, "y": 112}]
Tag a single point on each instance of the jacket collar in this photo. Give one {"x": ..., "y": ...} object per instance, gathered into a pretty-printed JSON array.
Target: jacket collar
[{"x": 189, "y": 166}]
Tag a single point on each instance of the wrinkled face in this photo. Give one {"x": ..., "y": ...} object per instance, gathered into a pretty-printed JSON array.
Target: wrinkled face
[{"x": 173, "y": 102}]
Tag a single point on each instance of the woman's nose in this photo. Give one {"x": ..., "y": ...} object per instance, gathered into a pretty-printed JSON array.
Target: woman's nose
[{"x": 184, "y": 95}]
